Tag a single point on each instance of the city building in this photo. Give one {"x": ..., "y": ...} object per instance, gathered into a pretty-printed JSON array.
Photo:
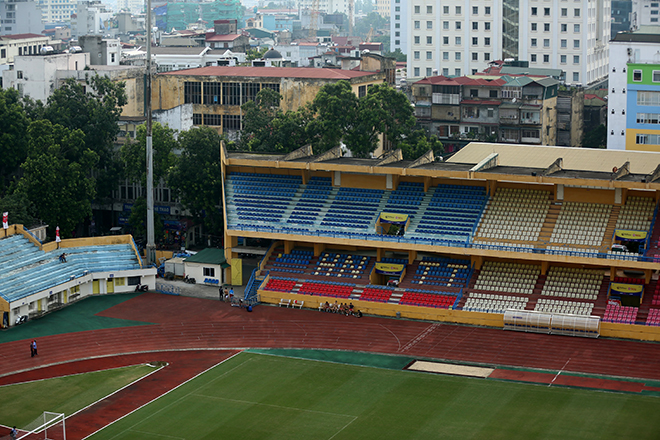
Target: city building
[
  {"x": 91, "y": 18},
  {"x": 633, "y": 119},
  {"x": 20, "y": 44},
  {"x": 621, "y": 12},
  {"x": 383, "y": 8},
  {"x": 225, "y": 35},
  {"x": 461, "y": 39},
  {"x": 644, "y": 13},
  {"x": 510, "y": 109},
  {"x": 103, "y": 51},
  {"x": 399, "y": 26},
  {"x": 20, "y": 17},
  {"x": 132, "y": 6},
  {"x": 57, "y": 11},
  {"x": 217, "y": 93}
]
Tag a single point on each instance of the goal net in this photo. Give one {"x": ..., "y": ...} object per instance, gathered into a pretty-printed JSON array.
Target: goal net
[{"x": 48, "y": 426}]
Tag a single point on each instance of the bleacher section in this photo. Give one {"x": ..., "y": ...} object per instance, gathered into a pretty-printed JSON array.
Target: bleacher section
[
  {"x": 620, "y": 314},
  {"x": 27, "y": 270},
  {"x": 446, "y": 272},
  {"x": 428, "y": 299},
  {"x": 567, "y": 307},
  {"x": 354, "y": 209},
  {"x": 573, "y": 283},
  {"x": 336, "y": 290},
  {"x": 653, "y": 318},
  {"x": 491, "y": 303},
  {"x": 452, "y": 214},
  {"x": 636, "y": 214},
  {"x": 507, "y": 277},
  {"x": 515, "y": 214},
  {"x": 343, "y": 265},
  {"x": 581, "y": 223},
  {"x": 280, "y": 284}
]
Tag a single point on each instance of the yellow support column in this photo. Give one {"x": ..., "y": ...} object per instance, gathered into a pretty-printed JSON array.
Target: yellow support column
[
  {"x": 288, "y": 246},
  {"x": 613, "y": 270},
  {"x": 647, "y": 275},
  {"x": 544, "y": 267},
  {"x": 427, "y": 183},
  {"x": 412, "y": 256},
  {"x": 380, "y": 252},
  {"x": 318, "y": 249},
  {"x": 477, "y": 260}
]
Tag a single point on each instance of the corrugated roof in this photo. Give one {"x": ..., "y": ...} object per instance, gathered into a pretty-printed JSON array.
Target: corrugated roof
[
  {"x": 271, "y": 72},
  {"x": 208, "y": 256},
  {"x": 227, "y": 37},
  {"x": 530, "y": 71},
  {"x": 21, "y": 36},
  {"x": 637, "y": 37},
  {"x": 580, "y": 159}
]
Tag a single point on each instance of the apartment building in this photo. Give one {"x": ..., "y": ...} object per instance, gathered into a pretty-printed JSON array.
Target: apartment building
[
  {"x": 510, "y": 109},
  {"x": 54, "y": 11},
  {"x": 20, "y": 17},
  {"x": 633, "y": 119},
  {"x": 455, "y": 39},
  {"x": 644, "y": 13}
]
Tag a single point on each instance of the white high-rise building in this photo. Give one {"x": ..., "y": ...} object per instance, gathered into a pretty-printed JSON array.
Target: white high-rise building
[
  {"x": 399, "y": 25},
  {"x": 53, "y": 11},
  {"x": 644, "y": 13},
  {"x": 453, "y": 39},
  {"x": 20, "y": 17},
  {"x": 134, "y": 6}
]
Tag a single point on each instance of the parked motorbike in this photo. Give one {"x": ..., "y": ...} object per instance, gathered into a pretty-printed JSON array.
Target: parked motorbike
[{"x": 189, "y": 280}]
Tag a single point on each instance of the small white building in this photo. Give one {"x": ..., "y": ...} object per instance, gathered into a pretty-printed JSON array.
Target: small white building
[{"x": 207, "y": 266}]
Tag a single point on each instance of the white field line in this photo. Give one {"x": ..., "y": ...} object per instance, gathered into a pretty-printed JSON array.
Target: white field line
[{"x": 559, "y": 372}]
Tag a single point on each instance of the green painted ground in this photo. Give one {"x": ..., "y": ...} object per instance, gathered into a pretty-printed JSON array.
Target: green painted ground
[
  {"x": 77, "y": 317},
  {"x": 22, "y": 403},
  {"x": 253, "y": 396}
]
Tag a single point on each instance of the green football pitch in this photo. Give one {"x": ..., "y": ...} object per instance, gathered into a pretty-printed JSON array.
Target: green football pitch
[{"x": 256, "y": 396}]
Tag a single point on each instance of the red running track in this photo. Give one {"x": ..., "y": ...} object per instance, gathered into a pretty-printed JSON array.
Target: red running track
[{"x": 191, "y": 324}]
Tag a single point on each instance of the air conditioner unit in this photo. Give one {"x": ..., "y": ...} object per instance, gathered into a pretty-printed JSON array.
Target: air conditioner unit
[{"x": 630, "y": 51}]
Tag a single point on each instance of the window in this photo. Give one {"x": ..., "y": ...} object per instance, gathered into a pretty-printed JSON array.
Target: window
[
  {"x": 475, "y": 41},
  {"x": 213, "y": 120},
  {"x": 209, "y": 271},
  {"x": 648, "y": 98},
  {"x": 474, "y": 93},
  {"x": 397, "y": 17},
  {"x": 637, "y": 75},
  {"x": 231, "y": 122},
  {"x": 457, "y": 56},
  {"x": 563, "y": 43},
  {"x": 576, "y": 59},
  {"x": 546, "y": 58},
  {"x": 197, "y": 119},
  {"x": 458, "y": 10},
  {"x": 429, "y": 55},
  {"x": 535, "y": 134},
  {"x": 533, "y": 42},
  {"x": 429, "y": 71},
  {"x": 416, "y": 54},
  {"x": 648, "y": 118},
  {"x": 19, "y": 74},
  {"x": 445, "y": 55},
  {"x": 362, "y": 91},
  {"x": 429, "y": 25},
  {"x": 534, "y": 27},
  {"x": 653, "y": 139},
  {"x": 417, "y": 39},
  {"x": 562, "y": 59},
  {"x": 458, "y": 25},
  {"x": 564, "y": 12},
  {"x": 487, "y": 10},
  {"x": 429, "y": 40},
  {"x": 475, "y": 10},
  {"x": 546, "y": 12},
  {"x": 492, "y": 94},
  {"x": 458, "y": 41},
  {"x": 486, "y": 41},
  {"x": 576, "y": 44},
  {"x": 576, "y": 76},
  {"x": 576, "y": 12},
  {"x": 417, "y": 11},
  {"x": 535, "y": 11},
  {"x": 487, "y": 25},
  {"x": 445, "y": 25},
  {"x": 417, "y": 25},
  {"x": 475, "y": 25},
  {"x": 487, "y": 56},
  {"x": 250, "y": 91},
  {"x": 564, "y": 27},
  {"x": 231, "y": 94},
  {"x": 546, "y": 42},
  {"x": 396, "y": 34},
  {"x": 576, "y": 28},
  {"x": 445, "y": 71},
  {"x": 656, "y": 76},
  {"x": 532, "y": 58},
  {"x": 475, "y": 56},
  {"x": 445, "y": 9},
  {"x": 445, "y": 40},
  {"x": 546, "y": 27},
  {"x": 457, "y": 72},
  {"x": 416, "y": 71},
  {"x": 192, "y": 92},
  {"x": 429, "y": 9},
  {"x": 212, "y": 93},
  {"x": 3, "y": 53}
]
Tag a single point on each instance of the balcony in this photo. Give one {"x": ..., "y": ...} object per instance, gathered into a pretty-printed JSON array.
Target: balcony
[{"x": 442, "y": 98}]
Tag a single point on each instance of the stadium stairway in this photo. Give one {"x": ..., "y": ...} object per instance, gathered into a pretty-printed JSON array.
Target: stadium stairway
[
  {"x": 549, "y": 225},
  {"x": 601, "y": 302},
  {"x": 538, "y": 288},
  {"x": 654, "y": 244},
  {"x": 609, "y": 231},
  {"x": 644, "y": 307}
]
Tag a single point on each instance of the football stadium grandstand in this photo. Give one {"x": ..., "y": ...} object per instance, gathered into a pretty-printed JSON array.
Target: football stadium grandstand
[
  {"x": 36, "y": 277},
  {"x": 560, "y": 233}
]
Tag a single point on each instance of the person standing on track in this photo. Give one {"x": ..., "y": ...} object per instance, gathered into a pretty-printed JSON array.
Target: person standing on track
[
  {"x": 13, "y": 433},
  {"x": 33, "y": 348}
]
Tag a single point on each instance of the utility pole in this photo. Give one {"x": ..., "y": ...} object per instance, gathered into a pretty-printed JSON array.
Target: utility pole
[{"x": 151, "y": 245}]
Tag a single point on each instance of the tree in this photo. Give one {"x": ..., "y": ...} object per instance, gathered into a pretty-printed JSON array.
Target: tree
[
  {"x": 256, "y": 54},
  {"x": 137, "y": 220},
  {"x": 134, "y": 153},
  {"x": 197, "y": 178},
  {"x": 60, "y": 189},
  {"x": 258, "y": 116},
  {"x": 13, "y": 126},
  {"x": 418, "y": 143},
  {"x": 93, "y": 107},
  {"x": 336, "y": 108},
  {"x": 397, "y": 54},
  {"x": 20, "y": 208},
  {"x": 596, "y": 138}
]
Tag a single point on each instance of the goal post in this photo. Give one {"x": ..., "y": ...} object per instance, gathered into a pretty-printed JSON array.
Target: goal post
[{"x": 48, "y": 426}]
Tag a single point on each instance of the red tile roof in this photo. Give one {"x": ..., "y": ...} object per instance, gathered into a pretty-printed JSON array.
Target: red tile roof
[
  {"x": 21, "y": 36},
  {"x": 271, "y": 72},
  {"x": 228, "y": 37}
]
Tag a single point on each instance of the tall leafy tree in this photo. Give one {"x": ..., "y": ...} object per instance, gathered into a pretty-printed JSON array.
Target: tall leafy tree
[
  {"x": 60, "y": 189},
  {"x": 336, "y": 108},
  {"x": 20, "y": 208},
  {"x": 134, "y": 153},
  {"x": 93, "y": 107},
  {"x": 197, "y": 179},
  {"x": 137, "y": 220},
  {"x": 13, "y": 126}
]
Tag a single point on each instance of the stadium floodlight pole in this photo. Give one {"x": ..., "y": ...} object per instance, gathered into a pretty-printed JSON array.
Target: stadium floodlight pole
[{"x": 151, "y": 245}]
